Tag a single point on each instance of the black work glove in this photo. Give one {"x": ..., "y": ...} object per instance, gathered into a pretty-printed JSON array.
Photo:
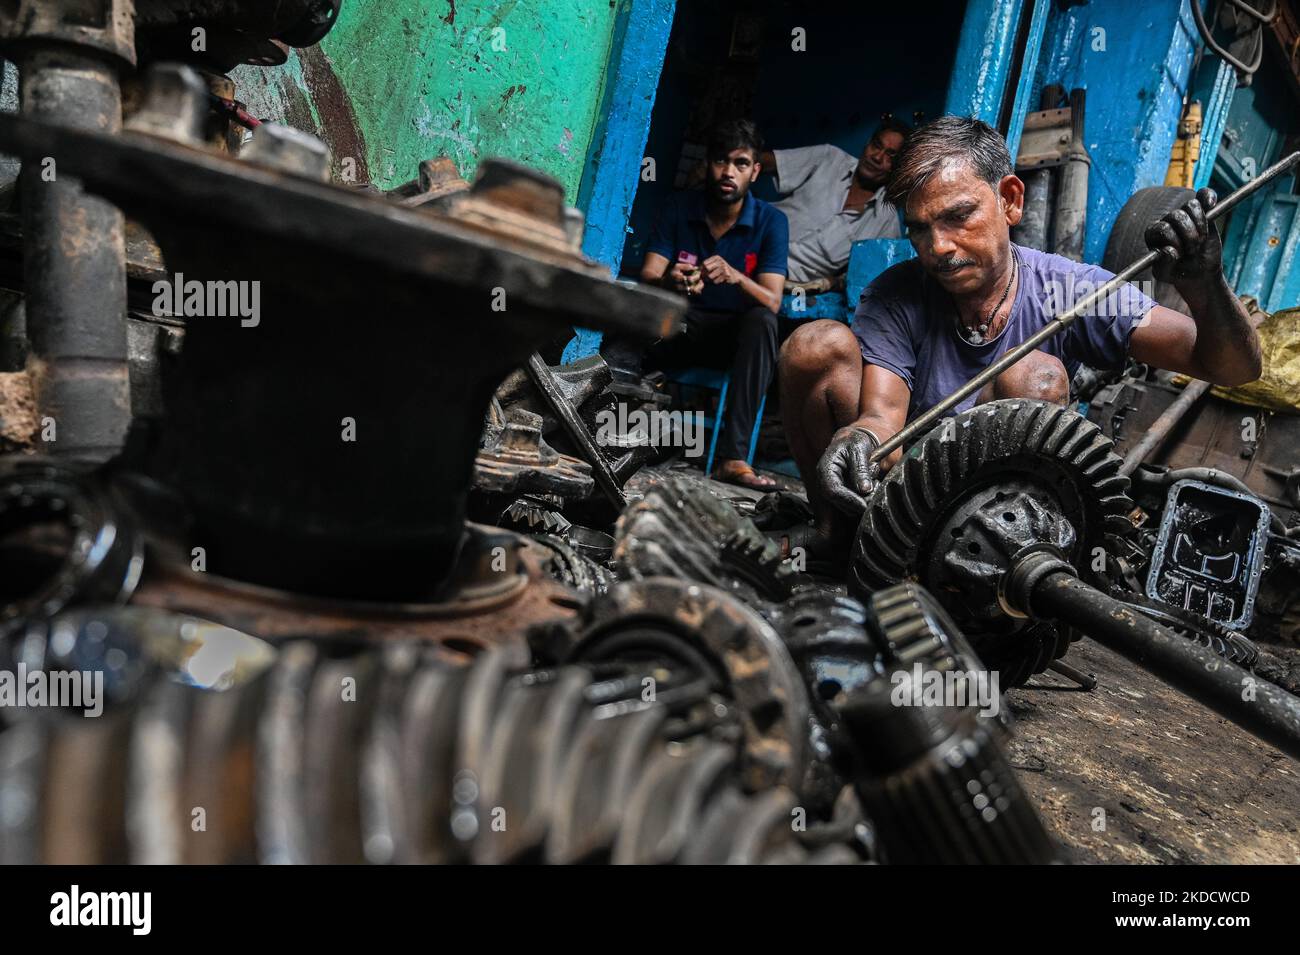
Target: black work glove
[
  {"x": 845, "y": 473},
  {"x": 1189, "y": 245}
]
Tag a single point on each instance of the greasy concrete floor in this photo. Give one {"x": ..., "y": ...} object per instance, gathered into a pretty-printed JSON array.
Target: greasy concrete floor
[{"x": 1175, "y": 782}]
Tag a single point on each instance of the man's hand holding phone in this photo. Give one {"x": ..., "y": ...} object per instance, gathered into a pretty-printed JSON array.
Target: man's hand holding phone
[{"x": 685, "y": 274}]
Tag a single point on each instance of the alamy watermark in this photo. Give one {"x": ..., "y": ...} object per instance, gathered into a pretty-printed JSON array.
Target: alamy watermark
[
  {"x": 657, "y": 428},
  {"x": 927, "y": 687},
  {"x": 1059, "y": 296},
  {"x": 67, "y": 689},
  {"x": 178, "y": 298},
  {"x": 75, "y": 908}
]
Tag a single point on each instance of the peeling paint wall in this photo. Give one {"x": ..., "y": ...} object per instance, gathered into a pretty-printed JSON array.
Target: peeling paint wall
[
  {"x": 398, "y": 81},
  {"x": 1135, "y": 61}
]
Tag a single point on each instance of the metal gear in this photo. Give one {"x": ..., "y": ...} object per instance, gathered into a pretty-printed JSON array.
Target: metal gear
[
  {"x": 939, "y": 517},
  {"x": 1227, "y": 643},
  {"x": 943, "y": 762}
]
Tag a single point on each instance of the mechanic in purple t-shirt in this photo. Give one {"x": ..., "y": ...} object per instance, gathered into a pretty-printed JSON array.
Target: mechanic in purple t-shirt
[{"x": 926, "y": 326}]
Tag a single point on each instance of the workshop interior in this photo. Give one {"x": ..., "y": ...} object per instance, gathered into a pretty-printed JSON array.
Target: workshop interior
[{"x": 332, "y": 532}]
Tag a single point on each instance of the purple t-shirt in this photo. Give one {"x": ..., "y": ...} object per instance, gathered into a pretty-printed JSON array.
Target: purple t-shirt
[{"x": 907, "y": 323}]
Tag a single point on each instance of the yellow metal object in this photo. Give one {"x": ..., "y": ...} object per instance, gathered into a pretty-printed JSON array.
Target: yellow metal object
[
  {"x": 1278, "y": 386},
  {"x": 1187, "y": 148}
]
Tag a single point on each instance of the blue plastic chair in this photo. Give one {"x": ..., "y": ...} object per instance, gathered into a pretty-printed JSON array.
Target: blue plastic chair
[{"x": 719, "y": 381}]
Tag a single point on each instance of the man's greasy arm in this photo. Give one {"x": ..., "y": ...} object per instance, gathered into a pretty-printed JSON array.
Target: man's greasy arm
[
  {"x": 845, "y": 474},
  {"x": 882, "y": 407},
  {"x": 1217, "y": 342}
]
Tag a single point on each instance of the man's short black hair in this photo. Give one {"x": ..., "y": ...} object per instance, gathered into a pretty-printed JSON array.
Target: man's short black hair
[
  {"x": 889, "y": 123},
  {"x": 938, "y": 142},
  {"x": 734, "y": 134}
]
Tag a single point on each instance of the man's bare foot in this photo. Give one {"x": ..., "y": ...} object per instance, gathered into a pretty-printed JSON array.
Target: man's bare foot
[{"x": 738, "y": 472}]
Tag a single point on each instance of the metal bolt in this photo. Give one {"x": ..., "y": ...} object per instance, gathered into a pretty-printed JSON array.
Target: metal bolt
[
  {"x": 510, "y": 185},
  {"x": 288, "y": 150},
  {"x": 175, "y": 105}
]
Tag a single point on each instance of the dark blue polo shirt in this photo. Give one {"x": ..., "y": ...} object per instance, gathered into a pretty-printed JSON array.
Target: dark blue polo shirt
[{"x": 757, "y": 243}]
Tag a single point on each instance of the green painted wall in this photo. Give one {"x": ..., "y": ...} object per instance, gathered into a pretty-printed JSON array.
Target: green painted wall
[{"x": 398, "y": 81}]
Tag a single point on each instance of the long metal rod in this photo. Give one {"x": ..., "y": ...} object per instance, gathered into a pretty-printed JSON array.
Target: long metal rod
[
  {"x": 923, "y": 422},
  {"x": 1160, "y": 428},
  {"x": 1253, "y": 703},
  {"x": 544, "y": 380}
]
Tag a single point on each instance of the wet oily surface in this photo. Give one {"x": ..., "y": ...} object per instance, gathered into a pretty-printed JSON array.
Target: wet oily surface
[{"x": 1134, "y": 772}]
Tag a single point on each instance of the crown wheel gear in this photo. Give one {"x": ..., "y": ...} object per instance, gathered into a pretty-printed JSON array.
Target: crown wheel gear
[
  {"x": 1224, "y": 641},
  {"x": 1020, "y": 448}
]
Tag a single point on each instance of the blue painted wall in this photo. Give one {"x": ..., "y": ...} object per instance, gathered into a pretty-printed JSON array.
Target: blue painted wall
[{"x": 1134, "y": 59}]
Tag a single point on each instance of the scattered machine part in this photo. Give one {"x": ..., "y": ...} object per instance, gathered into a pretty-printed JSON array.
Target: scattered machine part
[
  {"x": 1210, "y": 552},
  {"x": 1051, "y": 479}
]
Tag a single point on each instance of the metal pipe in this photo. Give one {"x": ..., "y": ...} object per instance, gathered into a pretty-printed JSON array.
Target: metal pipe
[
  {"x": 1253, "y": 703},
  {"x": 1070, "y": 217},
  {"x": 1160, "y": 428},
  {"x": 74, "y": 260},
  {"x": 544, "y": 379},
  {"x": 924, "y": 421}
]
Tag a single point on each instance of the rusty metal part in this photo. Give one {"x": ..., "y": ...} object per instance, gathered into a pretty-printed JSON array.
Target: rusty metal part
[
  {"x": 174, "y": 107},
  {"x": 573, "y": 568},
  {"x": 1259, "y": 707},
  {"x": 926, "y": 420},
  {"x": 520, "y": 461},
  {"x": 62, "y": 541},
  {"x": 376, "y": 517},
  {"x": 728, "y": 645},
  {"x": 545, "y": 382},
  {"x": 288, "y": 150},
  {"x": 1154, "y": 436},
  {"x": 437, "y": 180},
  {"x": 684, "y": 531},
  {"x": 379, "y": 517},
  {"x": 1211, "y": 438},
  {"x": 1041, "y": 460},
  {"x": 502, "y": 590},
  {"x": 73, "y": 256},
  {"x": 89, "y": 802},
  {"x": 933, "y": 778}
]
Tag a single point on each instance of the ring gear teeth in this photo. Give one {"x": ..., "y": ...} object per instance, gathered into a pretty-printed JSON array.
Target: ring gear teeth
[
  {"x": 1063, "y": 453},
  {"x": 1226, "y": 642}
]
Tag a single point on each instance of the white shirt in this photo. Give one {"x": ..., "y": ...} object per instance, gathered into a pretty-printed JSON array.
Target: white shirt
[{"x": 815, "y": 182}]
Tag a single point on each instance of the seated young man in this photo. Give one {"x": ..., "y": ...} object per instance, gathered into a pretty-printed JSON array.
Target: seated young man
[
  {"x": 833, "y": 199},
  {"x": 726, "y": 251},
  {"x": 926, "y": 326}
]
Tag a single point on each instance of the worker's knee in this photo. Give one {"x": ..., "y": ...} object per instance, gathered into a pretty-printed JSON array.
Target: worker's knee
[
  {"x": 1038, "y": 375},
  {"x": 816, "y": 347}
]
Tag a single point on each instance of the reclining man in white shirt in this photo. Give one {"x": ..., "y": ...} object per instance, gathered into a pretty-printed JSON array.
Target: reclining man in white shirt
[{"x": 833, "y": 200}]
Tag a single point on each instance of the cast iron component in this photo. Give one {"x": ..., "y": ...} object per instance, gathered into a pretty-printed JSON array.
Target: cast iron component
[
  {"x": 1074, "y": 479},
  {"x": 933, "y": 779},
  {"x": 575, "y": 569},
  {"x": 721, "y": 642},
  {"x": 69, "y": 59},
  {"x": 681, "y": 530},
  {"x": 1210, "y": 553},
  {"x": 1258, "y": 706},
  {"x": 976, "y": 494},
  {"x": 62, "y": 541},
  {"x": 1227, "y": 643},
  {"x": 519, "y": 460},
  {"x": 260, "y": 416}
]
